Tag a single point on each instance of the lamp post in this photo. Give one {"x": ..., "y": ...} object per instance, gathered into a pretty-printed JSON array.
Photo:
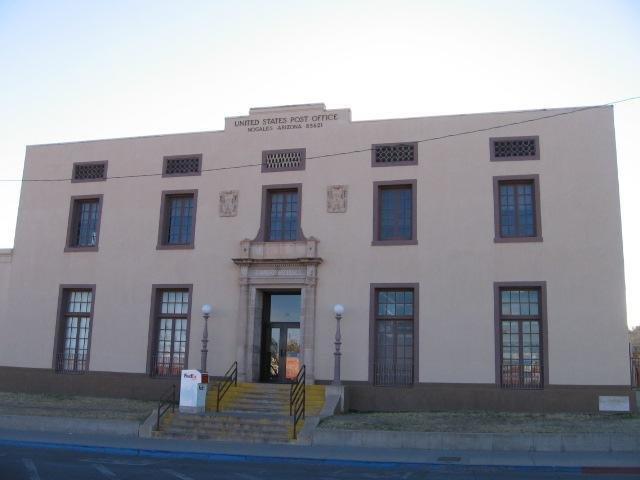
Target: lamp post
[
  {"x": 338, "y": 310},
  {"x": 206, "y": 312}
]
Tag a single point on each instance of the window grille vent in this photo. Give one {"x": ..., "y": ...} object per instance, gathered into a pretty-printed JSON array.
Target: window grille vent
[
  {"x": 182, "y": 166},
  {"x": 520, "y": 148},
  {"x": 89, "y": 171},
  {"x": 283, "y": 160},
  {"x": 396, "y": 153}
]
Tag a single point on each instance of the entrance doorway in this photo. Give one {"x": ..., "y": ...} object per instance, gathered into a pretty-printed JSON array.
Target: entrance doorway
[{"x": 280, "y": 359}]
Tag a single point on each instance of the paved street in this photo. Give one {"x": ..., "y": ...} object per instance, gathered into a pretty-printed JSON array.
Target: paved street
[{"x": 18, "y": 463}]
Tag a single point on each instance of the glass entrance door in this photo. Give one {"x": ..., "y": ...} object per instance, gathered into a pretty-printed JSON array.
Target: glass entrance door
[{"x": 282, "y": 340}]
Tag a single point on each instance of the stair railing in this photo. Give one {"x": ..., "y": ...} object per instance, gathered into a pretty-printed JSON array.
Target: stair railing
[
  {"x": 230, "y": 378},
  {"x": 297, "y": 399},
  {"x": 167, "y": 401}
]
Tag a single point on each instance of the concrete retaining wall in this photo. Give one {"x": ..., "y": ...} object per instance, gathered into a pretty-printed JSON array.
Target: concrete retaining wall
[
  {"x": 447, "y": 397},
  {"x": 537, "y": 442},
  {"x": 126, "y": 428},
  {"x": 94, "y": 384}
]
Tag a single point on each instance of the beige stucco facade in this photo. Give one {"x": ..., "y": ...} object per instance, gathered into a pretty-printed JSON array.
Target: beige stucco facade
[
  {"x": 6, "y": 256},
  {"x": 456, "y": 261}
]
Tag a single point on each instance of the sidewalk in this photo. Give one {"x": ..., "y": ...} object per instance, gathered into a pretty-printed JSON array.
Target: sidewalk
[{"x": 221, "y": 451}]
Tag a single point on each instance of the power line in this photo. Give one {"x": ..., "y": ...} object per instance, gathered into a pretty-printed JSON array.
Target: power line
[{"x": 350, "y": 152}]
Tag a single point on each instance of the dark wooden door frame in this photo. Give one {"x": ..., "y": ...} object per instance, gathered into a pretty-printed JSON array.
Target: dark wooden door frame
[{"x": 265, "y": 357}]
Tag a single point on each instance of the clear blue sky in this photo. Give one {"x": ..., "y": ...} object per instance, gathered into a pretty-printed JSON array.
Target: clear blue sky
[{"x": 97, "y": 69}]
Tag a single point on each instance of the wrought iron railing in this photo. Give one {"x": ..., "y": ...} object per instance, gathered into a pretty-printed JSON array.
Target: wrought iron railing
[
  {"x": 167, "y": 401},
  {"x": 71, "y": 363},
  {"x": 230, "y": 378},
  {"x": 521, "y": 375},
  {"x": 167, "y": 365},
  {"x": 298, "y": 399},
  {"x": 388, "y": 373}
]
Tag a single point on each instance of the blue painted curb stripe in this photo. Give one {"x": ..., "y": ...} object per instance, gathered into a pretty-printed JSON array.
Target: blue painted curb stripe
[{"x": 222, "y": 457}]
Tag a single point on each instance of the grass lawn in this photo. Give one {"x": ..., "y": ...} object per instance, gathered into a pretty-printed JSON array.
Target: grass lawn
[
  {"x": 71, "y": 406},
  {"x": 486, "y": 422}
]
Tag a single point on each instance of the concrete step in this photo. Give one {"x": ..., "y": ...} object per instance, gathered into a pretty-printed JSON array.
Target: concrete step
[
  {"x": 266, "y": 399},
  {"x": 255, "y": 409},
  {"x": 275, "y": 396},
  {"x": 231, "y": 416},
  {"x": 230, "y": 425},
  {"x": 249, "y": 412},
  {"x": 251, "y": 436},
  {"x": 259, "y": 396},
  {"x": 266, "y": 396},
  {"x": 262, "y": 398},
  {"x": 258, "y": 405},
  {"x": 227, "y": 438},
  {"x": 230, "y": 433},
  {"x": 252, "y": 407},
  {"x": 268, "y": 390},
  {"x": 265, "y": 387}
]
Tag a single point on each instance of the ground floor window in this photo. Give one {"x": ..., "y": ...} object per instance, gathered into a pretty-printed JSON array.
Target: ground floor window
[
  {"x": 521, "y": 334},
  {"x": 72, "y": 353},
  {"x": 171, "y": 319},
  {"x": 393, "y": 362}
]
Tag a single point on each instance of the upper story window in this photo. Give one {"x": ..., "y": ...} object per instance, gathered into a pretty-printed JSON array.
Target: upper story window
[
  {"x": 394, "y": 213},
  {"x": 182, "y": 165},
  {"x": 283, "y": 160},
  {"x": 283, "y": 217},
  {"x": 89, "y": 171},
  {"x": 178, "y": 219},
  {"x": 391, "y": 154},
  {"x": 84, "y": 223},
  {"x": 515, "y": 148},
  {"x": 517, "y": 208},
  {"x": 73, "y": 331},
  {"x": 281, "y": 213}
]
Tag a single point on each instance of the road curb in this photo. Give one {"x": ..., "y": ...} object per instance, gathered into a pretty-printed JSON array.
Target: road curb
[
  {"x": 494, "y": 442},
  {"x": 125, "y": 428},
  {"x": 225, "y": 457}
]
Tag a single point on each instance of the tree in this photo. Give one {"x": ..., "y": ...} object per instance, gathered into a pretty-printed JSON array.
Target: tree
[{"x": 634, "y": 336}]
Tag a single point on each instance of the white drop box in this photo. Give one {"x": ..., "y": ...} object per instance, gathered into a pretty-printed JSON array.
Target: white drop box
[{"x": 193, "y": 391}]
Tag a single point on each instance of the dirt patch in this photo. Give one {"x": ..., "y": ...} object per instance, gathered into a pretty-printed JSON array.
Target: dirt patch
[
  {"x": 69, "y": 406},
  {"x": 486, "y": 422}
]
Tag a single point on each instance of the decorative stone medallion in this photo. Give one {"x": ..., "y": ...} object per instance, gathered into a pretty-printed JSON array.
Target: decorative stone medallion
[
  {"x": 229, "y": 203},
  {"x": 337, "y": 198}
]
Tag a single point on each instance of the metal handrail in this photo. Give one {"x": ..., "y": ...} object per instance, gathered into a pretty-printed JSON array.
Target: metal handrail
[
  {"x": 230, "y": 377},
  {"x": 168, "y": 400},
  {"x": 298, "y": 399}
]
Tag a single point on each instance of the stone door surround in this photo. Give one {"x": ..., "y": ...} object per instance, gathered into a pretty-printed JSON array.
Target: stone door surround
[{"x": 269, "y": 266}]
